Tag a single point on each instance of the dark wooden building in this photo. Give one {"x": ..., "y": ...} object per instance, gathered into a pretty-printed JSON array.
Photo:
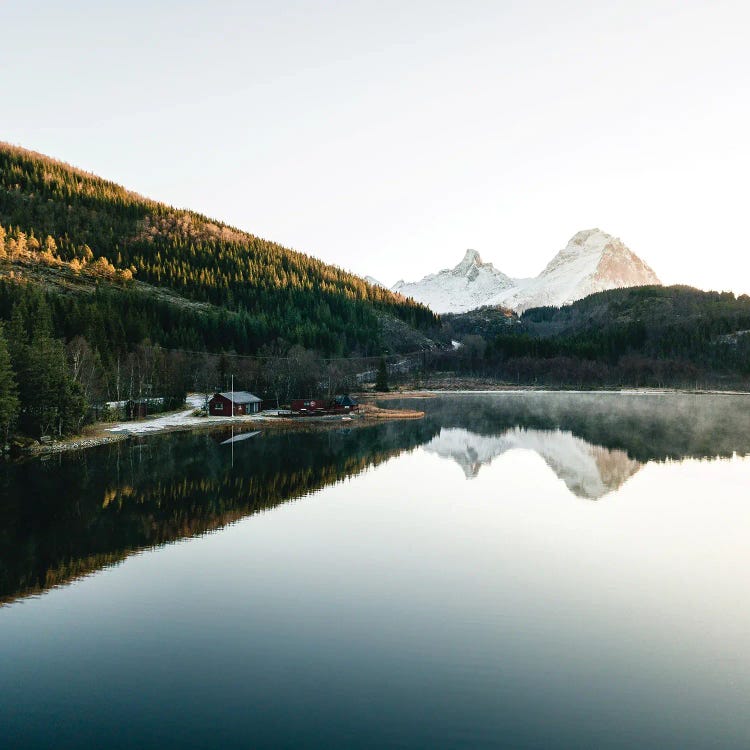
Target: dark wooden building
[
  {"x": 244, "y": 403},
  {"x": 344, "y": 403},
  {"x": 311, "y": 406},
  {"x": 138, "y": 408}
]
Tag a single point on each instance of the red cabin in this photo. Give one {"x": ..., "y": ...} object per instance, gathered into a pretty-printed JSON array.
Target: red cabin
[{"x": 243, "y": 402}]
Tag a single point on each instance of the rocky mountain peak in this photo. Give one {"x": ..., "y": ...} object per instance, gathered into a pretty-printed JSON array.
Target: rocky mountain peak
[
  {"x": 592, "y": 261},
  {"x": 471, "y": 258},
  {"x": 582, "y": 237}
]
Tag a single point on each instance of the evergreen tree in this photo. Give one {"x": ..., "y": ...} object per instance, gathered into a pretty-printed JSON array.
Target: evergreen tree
[
  {"x": 52, "y": 402},
  {"x": 8, "y": 390},
  {"x": 381, "y": 381}
]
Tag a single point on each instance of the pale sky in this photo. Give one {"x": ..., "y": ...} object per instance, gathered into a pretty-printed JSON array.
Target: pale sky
[{"x": 389, "y": 137}]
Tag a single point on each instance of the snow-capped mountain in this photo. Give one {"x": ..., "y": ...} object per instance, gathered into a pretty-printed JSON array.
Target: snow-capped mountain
[
  {"x": 591, "y": 262},
  {"x": 467, "y": 286},
  {"x": 589, "y": 471}
]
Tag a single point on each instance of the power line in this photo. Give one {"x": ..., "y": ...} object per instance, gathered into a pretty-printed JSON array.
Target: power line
[{"x": 234, "y": 355}]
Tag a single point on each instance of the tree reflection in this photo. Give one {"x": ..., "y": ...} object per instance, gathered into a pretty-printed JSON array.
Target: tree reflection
[{"x": 70, "y": 515}]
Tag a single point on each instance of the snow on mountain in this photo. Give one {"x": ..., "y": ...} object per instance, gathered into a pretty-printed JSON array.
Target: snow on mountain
[
  {"x": 591, "y": 262},
  {"x": 458, "y": 289},
  {"x": 589, "y": 471},
  {"x": 374, "y": 282}
]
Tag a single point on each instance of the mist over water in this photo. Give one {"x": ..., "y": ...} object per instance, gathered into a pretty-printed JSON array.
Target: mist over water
[{"x": 515, "y": 570}]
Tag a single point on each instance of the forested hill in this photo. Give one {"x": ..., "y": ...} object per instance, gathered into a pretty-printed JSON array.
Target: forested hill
[
  {"x": 650, "y": 335},
  {"x": 60, "y": 215}
]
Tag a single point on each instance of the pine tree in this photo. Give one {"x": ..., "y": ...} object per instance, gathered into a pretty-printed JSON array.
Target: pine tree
[
  {"x": 8, "y": 390},
  {"x": 381, "y": 381},
  {"x": 52, "y": 401}
]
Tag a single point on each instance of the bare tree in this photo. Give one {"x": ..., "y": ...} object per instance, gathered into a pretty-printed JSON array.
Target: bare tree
[{"x": 207, "y": 378}]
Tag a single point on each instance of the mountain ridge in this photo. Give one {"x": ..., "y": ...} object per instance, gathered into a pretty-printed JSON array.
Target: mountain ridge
[
  {"x": 464, "y": 287},
  {"x": 592, "y": 261}
]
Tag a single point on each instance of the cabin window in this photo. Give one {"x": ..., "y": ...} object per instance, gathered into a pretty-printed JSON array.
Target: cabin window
[{"x": 219, "y": 406}]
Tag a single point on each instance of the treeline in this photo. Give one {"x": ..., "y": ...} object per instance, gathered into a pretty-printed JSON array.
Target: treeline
[
  {"x": 37, "y": 394},
  {"x": 48, "y": 384},
  {"x": 62, "y": 360},
  {"x": 276, "y": 292},
  {"x": 640, "y": 336},
  {"x": 115, "y": 318}
]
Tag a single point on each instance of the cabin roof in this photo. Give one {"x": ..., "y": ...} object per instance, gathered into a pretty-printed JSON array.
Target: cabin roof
[{"x": 240, "y": 397}]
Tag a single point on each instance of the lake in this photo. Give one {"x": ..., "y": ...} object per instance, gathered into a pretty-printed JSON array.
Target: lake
[{"x": 521, "y": 570}]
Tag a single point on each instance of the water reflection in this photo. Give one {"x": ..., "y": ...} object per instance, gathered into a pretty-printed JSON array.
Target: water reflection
[
  {"x": 589, "y": 471},
  {"x": 73, "y": 514},
  {"x": 70, "y": 515},
  {"x": 648, "y": 427}
]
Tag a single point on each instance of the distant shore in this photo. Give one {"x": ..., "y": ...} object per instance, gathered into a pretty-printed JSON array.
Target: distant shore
[{"x": 437, "y": 391}]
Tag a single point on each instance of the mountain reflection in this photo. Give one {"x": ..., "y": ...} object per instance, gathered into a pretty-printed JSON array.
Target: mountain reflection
[
  {"x": 647, "y": 427},
  {"x": 589, "y": 471},
  {"x": 70, "y": 515}
]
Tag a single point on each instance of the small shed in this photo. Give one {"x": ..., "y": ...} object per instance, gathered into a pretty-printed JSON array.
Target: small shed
[
  {"x": 136, "y": 408},
  {"x": 238, "y": 404}
]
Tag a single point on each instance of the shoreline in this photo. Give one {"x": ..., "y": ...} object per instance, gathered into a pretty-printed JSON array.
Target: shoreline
[
  {"x": 437, "y": 391},
  {"x": 105, "y": 433}
]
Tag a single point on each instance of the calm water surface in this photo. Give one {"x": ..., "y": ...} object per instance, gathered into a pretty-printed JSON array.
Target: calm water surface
[{"x": 516, "y": 570}]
